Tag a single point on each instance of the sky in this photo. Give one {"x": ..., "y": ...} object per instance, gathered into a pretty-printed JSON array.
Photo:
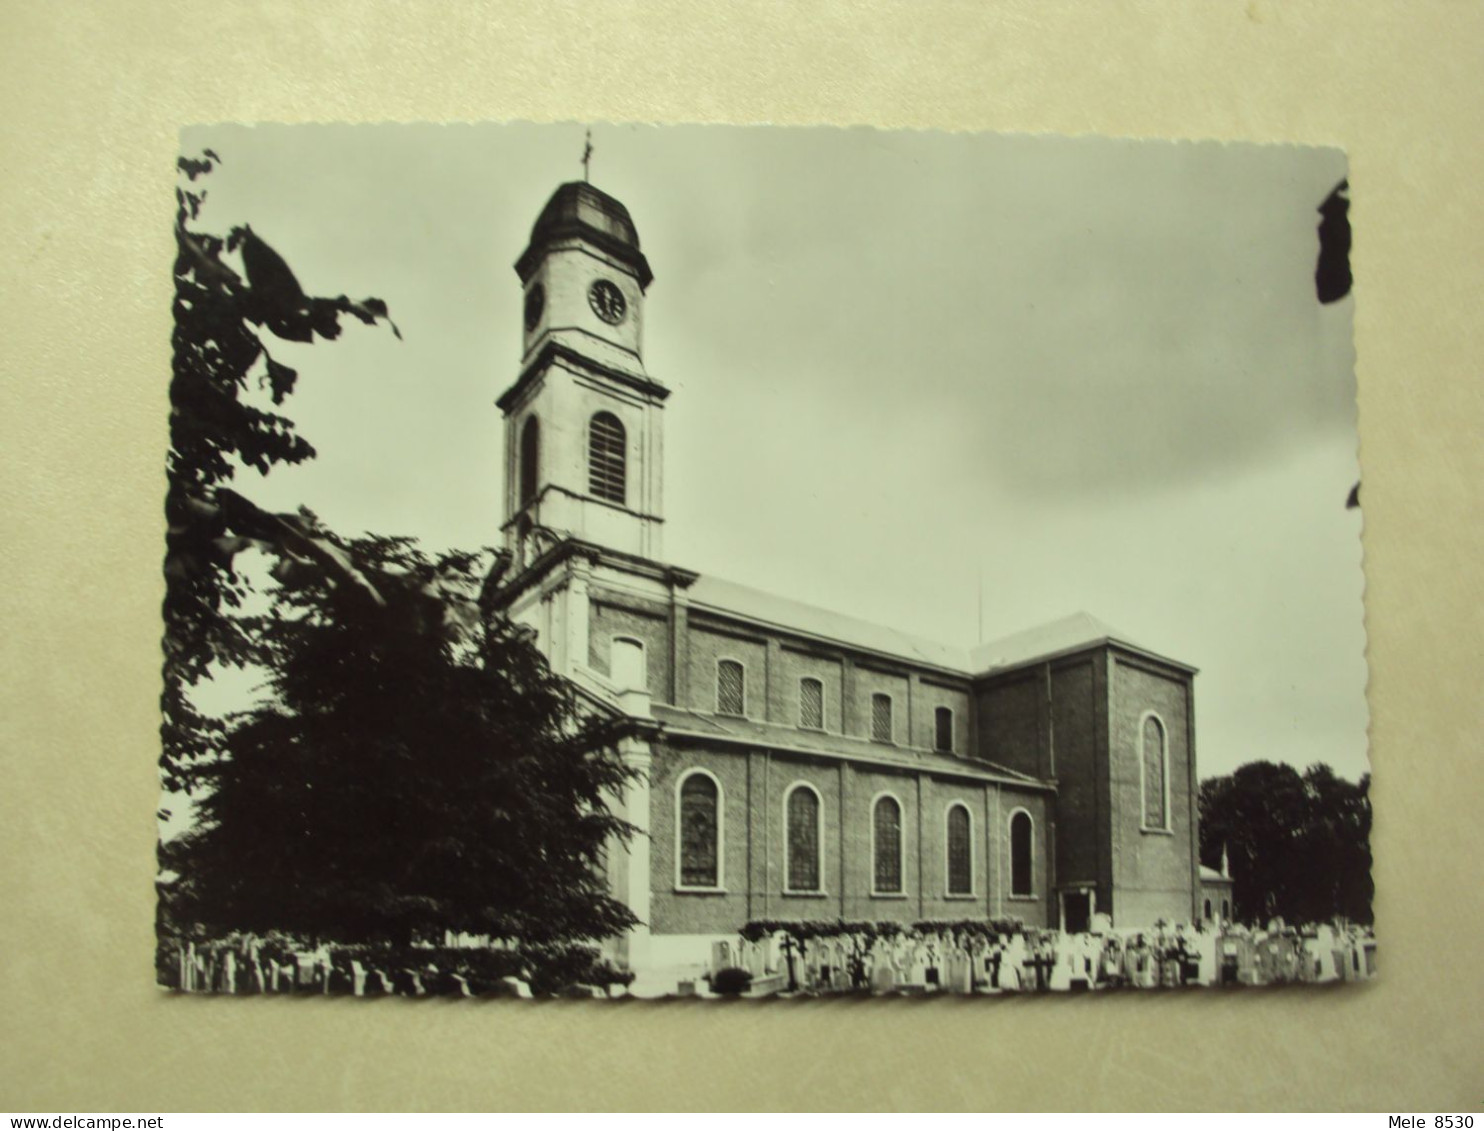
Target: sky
[{"x": 907, "y": 369}]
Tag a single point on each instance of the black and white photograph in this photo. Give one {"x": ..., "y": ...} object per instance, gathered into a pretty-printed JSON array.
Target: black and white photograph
[{"x": 626, "y": 561}]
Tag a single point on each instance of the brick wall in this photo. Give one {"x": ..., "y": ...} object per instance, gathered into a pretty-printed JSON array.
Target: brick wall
[
  {"x": 782, "y": 773},
  {"x": 1154, "y": 873},
  {"x": 869, "y": 682},
  {"x": 1007, "y": 720},
  {"x": 1032, "y": 910},
  {"x": 754, "y": 785},
  {"x": 937, "y": 796},
  {"x": 927, "y": 697},
  {"x": 793, "y": 666},
  {"x": 775, "y": 666},
  {"x": 682, "y": 913},
  {"x": 650, "y": 629},
  {"x": 1009, "y": 711},
  {"x": 1078, "y": 730},
  {"x": 860, "y": 863},
  {"x": 705, "y": 648}
]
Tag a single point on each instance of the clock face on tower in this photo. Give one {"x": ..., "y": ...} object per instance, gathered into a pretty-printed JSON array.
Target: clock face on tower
[
  {"x": 607, "y": 301},
  {"x": 535, "y": 303}
]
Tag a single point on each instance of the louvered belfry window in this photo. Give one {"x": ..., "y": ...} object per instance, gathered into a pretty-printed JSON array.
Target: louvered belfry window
[
  {"x": 803, "y": 840},
  {"x": 811, "y": 704},
  {"x": 887, "y": 825},
  {"x": 605, "y": 458},
  {"x": 960, "y": 852},
  {"x": 530, "y": 459},
  {"x": 731, "y": 688},
  {"x": 881, "y": 718},
  {"x": 699, "y": 832}
]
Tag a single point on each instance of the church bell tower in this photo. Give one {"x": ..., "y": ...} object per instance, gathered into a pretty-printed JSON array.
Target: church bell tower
[{"x": 583, "y": 420}]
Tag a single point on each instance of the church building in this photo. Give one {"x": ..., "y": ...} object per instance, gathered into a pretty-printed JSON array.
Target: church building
[{"x": 796, "y": 763}]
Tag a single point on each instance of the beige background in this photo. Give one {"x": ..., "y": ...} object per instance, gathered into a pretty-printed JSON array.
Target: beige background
[{"x": 93, "y": 96}]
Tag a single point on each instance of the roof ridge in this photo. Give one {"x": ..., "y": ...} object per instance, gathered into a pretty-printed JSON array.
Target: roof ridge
[
  {"x": 1073, "y": 631},
  {"x": 903, "y": 644}
]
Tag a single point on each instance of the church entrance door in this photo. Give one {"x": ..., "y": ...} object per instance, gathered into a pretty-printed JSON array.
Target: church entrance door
[{"x": 1076, "y": 911}]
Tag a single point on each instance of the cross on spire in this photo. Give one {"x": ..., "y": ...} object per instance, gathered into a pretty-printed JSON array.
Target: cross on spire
[{"x": 587, "y": 154}]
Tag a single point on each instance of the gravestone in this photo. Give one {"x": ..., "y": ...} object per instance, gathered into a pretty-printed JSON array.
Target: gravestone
[
  {"x": 721, "y": 956},
  {"x": 513, "y": 985},
  {"x": 912, "y": 966},
  {"x": 960, "y": 973},
  {"x": 1059, "y": 977},
  {"x": 1249, "y": 962},
  {"x": 751, "y": 959},
  {"x": 883, "y": 976},
  {"x": 306, "y": 971}
]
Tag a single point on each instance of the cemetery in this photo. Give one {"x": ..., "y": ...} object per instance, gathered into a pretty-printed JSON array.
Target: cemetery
[
  {"x": 1002, "y": 956},
  {"x": 278, "y": 964},
  {"x": 804, "y": 958}
]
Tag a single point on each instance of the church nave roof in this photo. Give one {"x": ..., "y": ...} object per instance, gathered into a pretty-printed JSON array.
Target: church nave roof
[{"x": 1055, "y": 638}]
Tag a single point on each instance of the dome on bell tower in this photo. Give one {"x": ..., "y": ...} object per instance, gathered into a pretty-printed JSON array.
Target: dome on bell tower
[
  {"x": 583, "y": 420},
  {"x": 577, "y": 210}
]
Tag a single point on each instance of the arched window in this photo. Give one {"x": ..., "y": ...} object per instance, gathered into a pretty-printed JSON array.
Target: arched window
[
  {"x": 605, "y": 458},
  {"x": 626, "y": 667},
  {"x": 530, "y": 458},
  {"x": 943, "y": 727},
  {"x": 1208, "y": 911},
  {"x": 698, "y": 830},
  {"x": 731, "y": 688},
  {"x": 1154, "y": 773},
  {"x": 1226, "y": 910},
  {"x": 811, "y": 703},
  {"x": 886, "y": 845},
  {"x": 881, "y": 718},
  {"x": 1022, "y": 871},
  {"x": 960, "y": 839},
  {"x": 801, "y": 844}
]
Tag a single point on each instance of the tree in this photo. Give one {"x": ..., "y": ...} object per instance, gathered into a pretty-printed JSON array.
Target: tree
[
  {"x": 1298, "y": 845},
  {"x": 1339, "y": 841},
  {"x": 1332, "y": 277},
  {"x": 219, "y": 352},
  {"x": 419, "y": 769}
]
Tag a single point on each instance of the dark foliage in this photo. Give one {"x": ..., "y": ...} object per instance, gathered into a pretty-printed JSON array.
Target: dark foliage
[
  {"x": 731, "y": 981},
  {"x": 1298, "y": 845},
  {"x": 419, "y": 769},
  {"x": 1332, "y": 279},
  {"x": 223, "y": 321}
]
